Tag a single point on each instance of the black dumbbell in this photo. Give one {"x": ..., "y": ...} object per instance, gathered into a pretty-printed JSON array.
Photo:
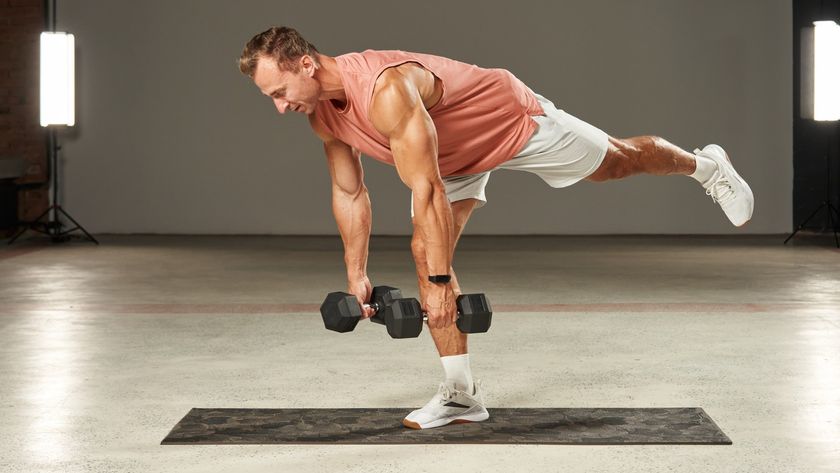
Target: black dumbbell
[
  {"x": 404, "y": 317},
  {"x": 384, "y": 296},
  {"x": 341, "y": 311}
]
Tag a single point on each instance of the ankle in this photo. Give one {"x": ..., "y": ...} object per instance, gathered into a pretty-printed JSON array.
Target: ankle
[
  {"x": 704, "y": 170},
  {"x": 456, "y": 369}
]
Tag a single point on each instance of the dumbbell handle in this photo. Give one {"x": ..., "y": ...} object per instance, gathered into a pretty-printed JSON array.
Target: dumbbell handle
[
  {"x": 426, "y": 315},
  {"x": 374, "y": 306}
]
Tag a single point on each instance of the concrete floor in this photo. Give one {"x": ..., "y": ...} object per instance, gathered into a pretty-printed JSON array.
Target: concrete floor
[{"x": 105, "y": 348}]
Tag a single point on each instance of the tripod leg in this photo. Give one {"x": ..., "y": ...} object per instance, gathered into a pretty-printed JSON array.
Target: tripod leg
[
  {"x": 29, "y": 225},
  {"x": 77, "y": 224},
  {"x": 832, "y": 214},
  {"x": 805, "y": 222},
  {"x": 21, "y": 232}
]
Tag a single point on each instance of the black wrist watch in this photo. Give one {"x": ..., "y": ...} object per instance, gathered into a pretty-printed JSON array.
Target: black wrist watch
[{"x": 440, "y": 278}]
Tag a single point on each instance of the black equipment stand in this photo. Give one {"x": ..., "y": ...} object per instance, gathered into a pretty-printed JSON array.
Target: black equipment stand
[
  {"x": 53, "y": 227},
  {"x": 833, "y": 213}
]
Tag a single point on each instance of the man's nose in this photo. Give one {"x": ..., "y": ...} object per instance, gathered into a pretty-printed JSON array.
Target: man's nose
[{"x": 281, "y": 105}]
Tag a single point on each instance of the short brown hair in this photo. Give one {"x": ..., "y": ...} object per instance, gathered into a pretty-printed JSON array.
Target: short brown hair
[{"x": 283, "y": 44}]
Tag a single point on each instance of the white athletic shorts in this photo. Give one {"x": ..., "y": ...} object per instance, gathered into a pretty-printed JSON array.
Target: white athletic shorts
[{"x": 562, "y": 151}]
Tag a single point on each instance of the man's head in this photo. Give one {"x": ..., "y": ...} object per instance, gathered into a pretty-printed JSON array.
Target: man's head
[{"x": 283, "y": 64}]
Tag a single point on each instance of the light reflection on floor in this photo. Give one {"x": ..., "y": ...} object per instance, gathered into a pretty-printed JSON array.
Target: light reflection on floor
[{"x": 53, "y": 348}]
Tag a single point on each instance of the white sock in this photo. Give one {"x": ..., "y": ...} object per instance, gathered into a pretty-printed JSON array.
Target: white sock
[
  {"x": 457, "y": 368},
  {"x": 706, "y": 168}
]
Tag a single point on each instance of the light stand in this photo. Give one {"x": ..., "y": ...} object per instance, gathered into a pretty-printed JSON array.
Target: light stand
[
  {"x": 53, "y": 227},
  {"x": 57, "y": 109},
  {"x": 833, "y": 213},
  {"x": 820, "y": 99}
]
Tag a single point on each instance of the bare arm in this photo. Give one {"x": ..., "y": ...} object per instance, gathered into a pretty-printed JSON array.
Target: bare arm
[
  {"x": 397, "y": 112},
  {"x": 350, "y": 201}
]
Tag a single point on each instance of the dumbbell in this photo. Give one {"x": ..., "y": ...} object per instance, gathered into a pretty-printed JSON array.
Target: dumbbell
[
  {"x": 341, "y": 311},
  {"x": 404, "y": 317}
]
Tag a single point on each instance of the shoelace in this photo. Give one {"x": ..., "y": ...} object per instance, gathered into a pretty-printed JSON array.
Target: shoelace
[
  {"x": 445, "y": 392},
  {"x": 721, "y": 191}
]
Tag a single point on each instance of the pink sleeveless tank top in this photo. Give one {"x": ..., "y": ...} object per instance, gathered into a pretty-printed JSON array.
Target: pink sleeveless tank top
[{"x": 482, "y": 119}]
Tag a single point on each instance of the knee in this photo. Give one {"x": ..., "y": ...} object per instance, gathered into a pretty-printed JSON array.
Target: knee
[
  {"x": 617, "y": 163},
  {"x": 628, "y": 156},
  {"x": 638, "y": 150}
]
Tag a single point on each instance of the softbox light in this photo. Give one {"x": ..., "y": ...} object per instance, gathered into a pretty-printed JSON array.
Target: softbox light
[
  {"x": 58, "y": 105},
  {"x": 820, "y": 72}
]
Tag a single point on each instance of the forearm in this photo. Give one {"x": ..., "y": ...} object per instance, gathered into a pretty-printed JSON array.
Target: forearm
[
  {"x": 419, "y": 253},
  {"x": 353, "y": 216},
  {"x": 433, "y": 229}
]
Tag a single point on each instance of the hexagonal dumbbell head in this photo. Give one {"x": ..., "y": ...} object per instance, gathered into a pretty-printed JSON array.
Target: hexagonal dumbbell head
[
  {"x": 404, "y": 318},
  {"x": 384, "y": 296},
  {"x": 475, "y": 313},
  {"x": 341, "y": 312}
]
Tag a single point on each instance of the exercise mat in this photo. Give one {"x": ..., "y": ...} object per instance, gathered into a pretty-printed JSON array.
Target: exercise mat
[{"x": 578, "y": 426}]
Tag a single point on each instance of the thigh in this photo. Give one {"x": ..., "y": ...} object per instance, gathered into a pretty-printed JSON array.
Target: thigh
[
  {"x": 461, "y": 211},
  {"x": 564, "y": 149}
]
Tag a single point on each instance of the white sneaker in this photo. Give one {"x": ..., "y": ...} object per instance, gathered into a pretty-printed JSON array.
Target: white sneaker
[
  {"x": 727, "y": 188},
  {"x": 449, "y": 406}
]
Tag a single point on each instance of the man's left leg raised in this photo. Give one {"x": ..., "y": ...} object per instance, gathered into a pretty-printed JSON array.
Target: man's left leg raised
[{"x": 710, "y": 166}]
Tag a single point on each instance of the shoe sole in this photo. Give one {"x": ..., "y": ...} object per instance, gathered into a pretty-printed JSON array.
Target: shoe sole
[
  {"x": 743, "y": 182},
  {"x": 440, "y": 423}
]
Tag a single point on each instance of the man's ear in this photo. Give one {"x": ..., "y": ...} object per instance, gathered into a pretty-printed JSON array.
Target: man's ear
[{"x": 308, "y": 65}]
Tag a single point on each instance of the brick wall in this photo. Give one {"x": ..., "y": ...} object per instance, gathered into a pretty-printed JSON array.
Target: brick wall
[{"x": 21, "y": 135}]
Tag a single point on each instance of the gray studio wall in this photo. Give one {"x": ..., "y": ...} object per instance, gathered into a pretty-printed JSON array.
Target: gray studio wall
[{"x": 172, "y": 139}]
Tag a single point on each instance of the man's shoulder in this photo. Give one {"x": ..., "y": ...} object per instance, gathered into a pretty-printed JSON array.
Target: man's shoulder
[
  {"x": 393, "y": 96},
  {"x": 390, "y": 76}
]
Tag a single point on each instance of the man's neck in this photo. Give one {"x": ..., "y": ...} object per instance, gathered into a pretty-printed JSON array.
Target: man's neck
[{"x": 330, "y": 79}]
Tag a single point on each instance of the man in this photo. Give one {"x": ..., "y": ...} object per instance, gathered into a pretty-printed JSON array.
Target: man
[{"x": 445, "y": 125}]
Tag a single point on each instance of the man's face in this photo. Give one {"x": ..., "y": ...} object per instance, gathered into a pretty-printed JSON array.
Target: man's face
[{"x": 297, "y": 92}]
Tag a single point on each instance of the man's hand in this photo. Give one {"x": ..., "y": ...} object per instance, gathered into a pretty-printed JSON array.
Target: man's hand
[
  {"x": 362, "y": 289},
  {"x": 439, "y": 304}
]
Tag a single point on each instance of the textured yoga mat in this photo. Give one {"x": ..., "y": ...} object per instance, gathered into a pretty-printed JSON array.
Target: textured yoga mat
[{"x": 579, "y": 426}]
